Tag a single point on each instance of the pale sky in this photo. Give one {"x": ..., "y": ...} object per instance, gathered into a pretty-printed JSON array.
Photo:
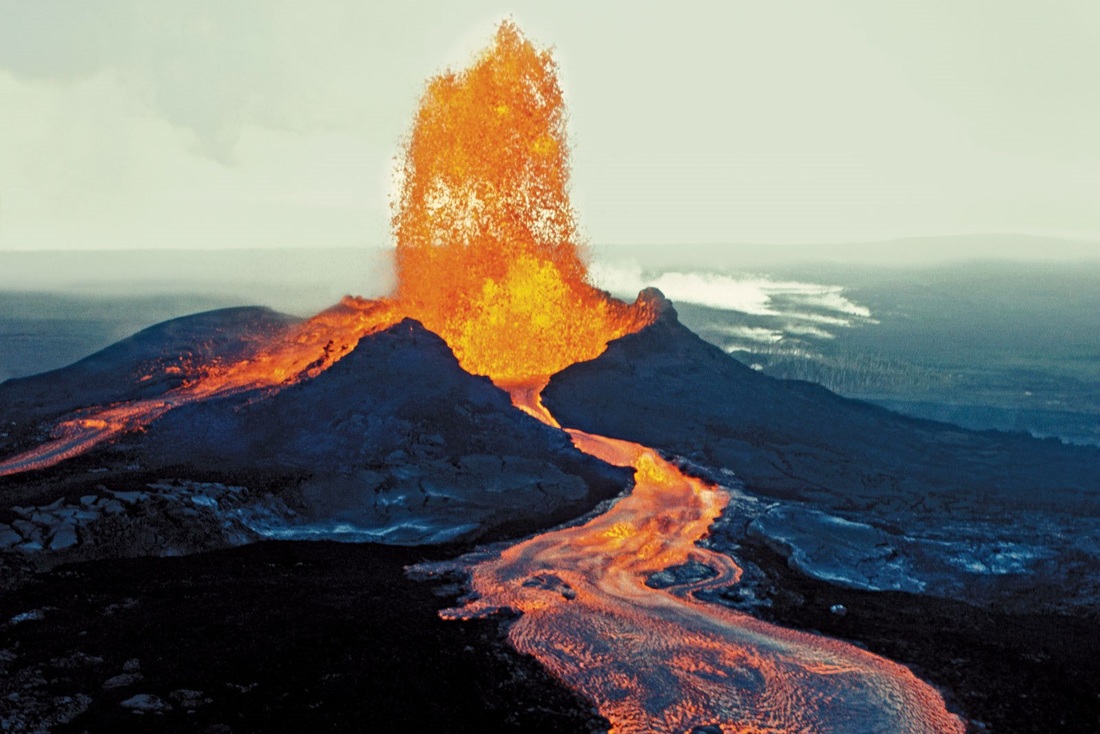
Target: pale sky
[{"x": 222, "y": 124}]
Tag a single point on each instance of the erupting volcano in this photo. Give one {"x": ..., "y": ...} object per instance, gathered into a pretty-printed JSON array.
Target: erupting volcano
[
  {"x": 489, "y": 258},
  {"x": 487, "y": 255}
]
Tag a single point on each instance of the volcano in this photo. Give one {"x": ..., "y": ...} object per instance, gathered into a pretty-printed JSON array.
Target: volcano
[
  {"x": 395, "y": 443},
  {"x": 624, "y": 501}
]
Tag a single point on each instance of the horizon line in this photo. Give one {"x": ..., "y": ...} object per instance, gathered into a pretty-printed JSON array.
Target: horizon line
[{"x": 1071, "y": 239}]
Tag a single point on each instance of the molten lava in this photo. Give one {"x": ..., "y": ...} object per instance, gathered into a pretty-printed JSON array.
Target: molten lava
[
  {"x": 661, "y": 660},
  {"x": 487, "y": 244},
  {"x": 302, "y": 352}
]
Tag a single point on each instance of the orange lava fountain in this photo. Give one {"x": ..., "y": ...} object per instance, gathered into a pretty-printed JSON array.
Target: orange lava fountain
[{"x": 487, "y": 245}]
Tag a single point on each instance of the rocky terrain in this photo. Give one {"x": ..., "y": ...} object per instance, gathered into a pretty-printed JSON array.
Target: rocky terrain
[
  {"x": 858, "y": 495},
  {"x": 394, "y": 443},
  {"x": 271, "y": 637}
]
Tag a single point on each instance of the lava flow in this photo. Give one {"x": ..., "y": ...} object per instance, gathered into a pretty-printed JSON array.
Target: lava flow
[
  {"x": 302, "y": 352},
  {"x": 660, "y": 660}
]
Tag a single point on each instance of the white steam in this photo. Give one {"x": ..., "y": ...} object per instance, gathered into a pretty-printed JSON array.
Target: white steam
[{"x": 800, "y": 309}]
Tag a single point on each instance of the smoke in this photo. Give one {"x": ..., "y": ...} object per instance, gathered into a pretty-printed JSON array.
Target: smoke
[{"x": 799, "y": 305}]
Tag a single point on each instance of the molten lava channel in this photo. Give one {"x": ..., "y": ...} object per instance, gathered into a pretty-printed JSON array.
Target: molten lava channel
[
  {"x": 488, "y": 257},
  {"x": 661, "y": 660}
]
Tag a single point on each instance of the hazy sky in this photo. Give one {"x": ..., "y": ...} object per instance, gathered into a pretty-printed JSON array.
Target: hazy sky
[{"x": 243, "y": 124}]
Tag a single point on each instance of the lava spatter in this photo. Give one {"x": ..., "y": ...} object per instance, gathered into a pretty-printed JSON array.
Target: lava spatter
[{"x": 488, "y": 253}]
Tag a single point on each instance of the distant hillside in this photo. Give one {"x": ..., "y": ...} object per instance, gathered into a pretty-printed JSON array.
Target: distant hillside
[{"x": 906, "y": 252}]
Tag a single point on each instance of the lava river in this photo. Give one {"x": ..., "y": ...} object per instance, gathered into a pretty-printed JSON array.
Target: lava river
[{"x": 660, "y": 660}]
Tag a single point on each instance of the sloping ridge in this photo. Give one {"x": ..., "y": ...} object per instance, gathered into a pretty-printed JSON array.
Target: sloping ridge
[
  {"x": 667, "y": 388},
  {"x": 393, "y": 435},
  {"x": 115, "y": 373}
]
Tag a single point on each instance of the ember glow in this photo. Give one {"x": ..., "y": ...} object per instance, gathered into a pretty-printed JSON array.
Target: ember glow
[{"x": 488, "y": 258}]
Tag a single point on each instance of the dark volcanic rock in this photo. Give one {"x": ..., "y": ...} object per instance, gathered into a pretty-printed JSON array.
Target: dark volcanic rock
[
  {"x": 665, "y": 387},
  {"x": 394, "y": 443},
  {"x": 1008, "y": 672},
  {"x": 145, "y": 365},
  {"x": 686, "y": 573},
  {"x": 394, "y": 440},
  {"x": 273, "y": 637},
  {"x": 162, "y": 518}
]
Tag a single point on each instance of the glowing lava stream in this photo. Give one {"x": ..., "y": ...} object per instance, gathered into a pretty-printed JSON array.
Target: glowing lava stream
[
  {"x": 660, "y": 660},
  {"x": 303, "y": 352}
]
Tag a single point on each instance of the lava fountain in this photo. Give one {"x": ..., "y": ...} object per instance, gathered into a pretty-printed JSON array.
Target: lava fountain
[
  {"x": 487, "y": 246},
  {"x": 488, "y": 257}
]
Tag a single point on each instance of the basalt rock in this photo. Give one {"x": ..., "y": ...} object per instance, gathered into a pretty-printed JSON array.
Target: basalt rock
[
  {"x": 394, "y": 443},
  {"x": 145, "y": 365},
  {"x": 667, "y": 388}
]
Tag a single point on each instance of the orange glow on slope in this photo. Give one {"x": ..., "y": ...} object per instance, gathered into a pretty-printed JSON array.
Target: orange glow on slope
[
  {"x": 487, "y": 245},
  {"x": 302, "y": 352},
  {"x": 662, "y": 661},
  {"x": 307, "y": 350}
]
